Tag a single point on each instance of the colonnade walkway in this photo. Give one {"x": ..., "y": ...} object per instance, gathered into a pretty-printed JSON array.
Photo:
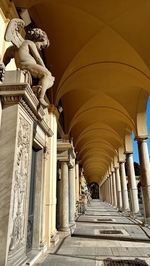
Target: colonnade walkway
[{"x": 102, "y": 236}]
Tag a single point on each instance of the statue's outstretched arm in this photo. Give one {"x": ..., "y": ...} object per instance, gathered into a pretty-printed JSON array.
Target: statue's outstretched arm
[
  {"x": 35, "y": 54},
  {"x": 9, "y": 54}
]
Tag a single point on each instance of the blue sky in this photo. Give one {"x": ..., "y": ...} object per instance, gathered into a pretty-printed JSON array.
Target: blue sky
[{"x": 135, "y": 148}]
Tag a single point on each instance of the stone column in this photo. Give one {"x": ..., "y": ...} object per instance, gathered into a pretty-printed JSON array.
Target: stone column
[
  {"x": 72, "y": 201},
  {"x": 110, "y": 197},
  {"x": 106, "y": 189},
  {"x": 0, "y": 112},
  {"x": 101, "y": 191},
  {"x": 59, "y": 200},
  {"x": 132, "y": 183},
  {"x": 109, "y": 192},
  {"x": 77, "y": 180},
  {"x": 114, "y": 189},
  {"x": 51, "y": 176},
  {"x": 118, "y": 188},
  {"x": 125, "y": 199},
  {"x": 38, "y": 226},
  {"x": 15, "y": 168},
  {"x": 111, "y": 189},
  {"x": 145, "y": 174},
  {"x": 64, "y": 198}
]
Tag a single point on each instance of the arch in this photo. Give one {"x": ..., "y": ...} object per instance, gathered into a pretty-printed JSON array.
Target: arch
[{"x": 94, "y": 190}]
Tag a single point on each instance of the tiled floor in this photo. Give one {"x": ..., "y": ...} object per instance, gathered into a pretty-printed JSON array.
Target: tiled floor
[{"x": 91, "y": 243}]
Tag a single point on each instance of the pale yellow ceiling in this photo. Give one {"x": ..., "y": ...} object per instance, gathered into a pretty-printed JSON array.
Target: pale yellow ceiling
[{"x": 100, "y": 56}]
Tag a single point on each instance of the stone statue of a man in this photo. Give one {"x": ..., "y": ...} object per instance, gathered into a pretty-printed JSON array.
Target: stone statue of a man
[{"x": 27, "y": 56}]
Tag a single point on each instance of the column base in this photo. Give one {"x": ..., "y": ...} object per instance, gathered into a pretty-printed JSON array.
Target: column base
[
  {"x": 64, "y": 229},
  {"x": 125, "y": 211},
  {"x": 43, "y": 246},
  {"x": 34, "y": 255},
  {"x": 54, "y": 239},
  {"x": 72, "y": 227}
]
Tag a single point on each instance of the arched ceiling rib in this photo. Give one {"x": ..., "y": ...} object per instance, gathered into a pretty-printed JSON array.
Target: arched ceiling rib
[{"x": 100, "y": 56}]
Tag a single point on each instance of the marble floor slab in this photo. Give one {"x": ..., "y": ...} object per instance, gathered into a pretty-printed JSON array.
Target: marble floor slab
[{"x": 89, "y": 247}]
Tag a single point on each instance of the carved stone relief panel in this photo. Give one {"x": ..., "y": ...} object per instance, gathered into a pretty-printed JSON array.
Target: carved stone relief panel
[{"x": 20, "y": 186}]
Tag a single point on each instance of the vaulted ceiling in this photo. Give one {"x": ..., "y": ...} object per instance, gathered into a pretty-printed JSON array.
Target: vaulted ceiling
[{"x": 100, "y": 57}]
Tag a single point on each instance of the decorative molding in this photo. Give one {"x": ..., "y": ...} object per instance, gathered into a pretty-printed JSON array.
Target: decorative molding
[
  {"x": 65, "y": 152},
  {"x": 46, "y": 128},
  {"x": 22, "y": 94},
  {"x": 63, "y": 147},
  {"x": 53, "y": 109}
]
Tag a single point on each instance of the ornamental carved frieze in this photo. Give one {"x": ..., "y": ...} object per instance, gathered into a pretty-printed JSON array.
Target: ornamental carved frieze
[{"x": 20, "y": 185}]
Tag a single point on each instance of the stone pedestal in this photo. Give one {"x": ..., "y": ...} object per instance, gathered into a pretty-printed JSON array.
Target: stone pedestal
[
  {"x": 125, "y": 199},
  {"x": 20, "y": 110},
  {"x": 15, "y": 163},
  {"x": 145, "y": 174}
]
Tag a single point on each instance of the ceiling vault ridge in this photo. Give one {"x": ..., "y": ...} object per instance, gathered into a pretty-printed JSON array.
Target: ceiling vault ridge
[
  {"x": 104, "y": 25},
  {"x": 72, "y": 124},
  {"x": 98, "y": 63}
]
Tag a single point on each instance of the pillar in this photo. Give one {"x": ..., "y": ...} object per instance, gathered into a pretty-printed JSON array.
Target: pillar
[
  {"x": 118, "y": 188},
  {"x": 132, "y": 183},
  {"x": 72, "y": 198},
  {"x": 125, "y": 199},
  {"x": 77, "y": 180},
  {"x": 107, "y": 191},
  {"x": 111, "y": 189},
  {"x": 114, "y": 189},
  {"x": 51, "y": 179},
  {"x": 145, "y": 174},
  {"x": 64, "y": 200}
]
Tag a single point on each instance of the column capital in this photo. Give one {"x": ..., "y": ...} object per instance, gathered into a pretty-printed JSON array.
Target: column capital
[
  {"x": 141, "y": 138},
  {"x": 53, "y": 109},
  {"x": 121, "y": 161},
  {"x": 128, "y": 152}
]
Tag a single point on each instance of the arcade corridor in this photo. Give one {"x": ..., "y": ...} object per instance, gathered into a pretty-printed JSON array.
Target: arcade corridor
[
  {"x": 74, "y": 88},
  {"x": 102, "y": 233}
]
